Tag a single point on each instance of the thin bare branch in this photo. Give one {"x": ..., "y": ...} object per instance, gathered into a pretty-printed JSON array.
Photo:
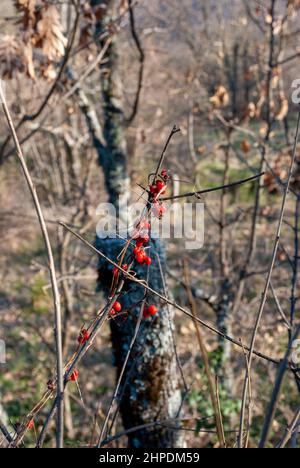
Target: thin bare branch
[{"x": 55, "y": 290}]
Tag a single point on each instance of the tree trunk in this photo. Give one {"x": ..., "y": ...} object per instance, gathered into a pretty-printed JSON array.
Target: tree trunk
[
  {"x": 224, "y": 324},
  {"x": 150, "y": 389}
]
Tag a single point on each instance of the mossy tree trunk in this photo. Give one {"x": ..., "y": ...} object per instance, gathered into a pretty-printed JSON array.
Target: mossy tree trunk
[{"x": 150, "y": 389}]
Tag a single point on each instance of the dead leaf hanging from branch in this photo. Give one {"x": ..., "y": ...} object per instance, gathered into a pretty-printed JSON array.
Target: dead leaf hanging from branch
[
  {"x": 284, "y": 109},
  {"x": 11, "y": 56},
  {"x": 28, "y": 9},
  {"x": 49, "y": 34},
  {"x": 220, "y": 98}
]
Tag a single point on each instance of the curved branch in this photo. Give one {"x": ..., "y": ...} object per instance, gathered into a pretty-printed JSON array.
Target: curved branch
[{"x": 141, "y": 59}]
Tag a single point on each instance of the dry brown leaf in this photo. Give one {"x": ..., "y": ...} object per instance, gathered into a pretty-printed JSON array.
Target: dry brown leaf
[
  {"x": 50, "y": 37},
  {"x": 245, "y": 146},
  {"x": 293, "y": 5},
  {"x": 27, "y": 7},
  {"x": 251, "y": 110},
  {"x": 220, "y": 98},
  {"x": 280, "y": 169},
  {"x": 11, "y": 56},
  {"x": 268, "y": 19},
  {"x": 28, "y": 56},
  {"x": 283, "y": 110}
]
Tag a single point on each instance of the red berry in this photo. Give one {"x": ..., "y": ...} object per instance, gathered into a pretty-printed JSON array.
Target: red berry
[
  {"x": 146, "y": 239},
  {"x": 162, "y": 211},
  {"x": 148, "y": 261},
  {"x": 152, "y": 310},
  {"x": 153, "y": 189},
  {"x": 140, "y": 258},
  {"x": 115, "y": 271},
  {"x": 83, "y": 336},
  {"x": 139, "y": 243},
  {"x": 117, "y": 307},
  {"x": 137, "y": 251},
  {"x": 74, "y": 376},
  {"x": 142, "y": 240},
  {"x": 161, "y": 187},
  {"x": 125, "y": 267},
  {"x": 113, "y": 312},
  {"x": 30, "y": 425}
]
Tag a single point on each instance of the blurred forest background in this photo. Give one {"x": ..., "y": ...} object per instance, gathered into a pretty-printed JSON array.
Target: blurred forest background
[{"x": 222, "y": 71}]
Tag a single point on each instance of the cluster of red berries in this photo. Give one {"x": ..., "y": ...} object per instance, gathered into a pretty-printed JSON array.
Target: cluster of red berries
[
  {"x": 160, "y": 186},
  {"x": 139, "y": 253},
  {"x": 83, "y": 336},
  {"x": 117, "y": 307},
  {"x": 150, "y": 311}
]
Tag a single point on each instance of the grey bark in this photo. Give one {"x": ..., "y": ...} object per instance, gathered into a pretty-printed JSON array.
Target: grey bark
[
  {"x": 150, "y": 389},
  {"x": 224, "y": 323}
]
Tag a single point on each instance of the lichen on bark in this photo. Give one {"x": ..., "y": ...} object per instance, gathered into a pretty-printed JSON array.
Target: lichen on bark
[{"x": 150, "y": 390}]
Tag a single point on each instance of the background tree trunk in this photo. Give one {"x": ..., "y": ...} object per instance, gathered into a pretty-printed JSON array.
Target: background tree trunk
[{"x": 150, "y": 389}]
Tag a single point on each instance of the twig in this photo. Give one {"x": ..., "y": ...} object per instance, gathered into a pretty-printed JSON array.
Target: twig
[
  {"x": 290, "y": 430},
  {"x": 276, "y": 391},
  {"x": 55, "y": 290},
  {"x": 282, "y": 314},
  {"x": 219, "y": 407},
  {"x": 141, "y": 59},
  {"x": 164, "y": 423},
  {"x": 295, "y": 265},
  {"x": 5, "y": 432},
  {"x": 191, "y": 137},
  {"x": 214, "y": 189},
  {"x": 250, "y": 399},
  {"x": 116, "y": 392},
  {"x": 214, "y": 402},
  {"x": 186, "y": 388},
  {"x": 95, "y": 328},
  {"x": 175, "y": 130}
]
